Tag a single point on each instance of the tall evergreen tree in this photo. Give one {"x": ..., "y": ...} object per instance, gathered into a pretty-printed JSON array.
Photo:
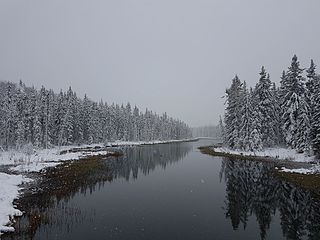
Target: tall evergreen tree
[
  {"x": 265, "y": 108},
  {"x": 45, "y": 119},
  {"x": 294, "y": 118},
  {"x": 233, "y": 116},
  {"x": 313, "y": 100},
  {"x": 248, "y": 139},
  {"x": 276, "y": 121},
  {"x": 255, "y": 131}
]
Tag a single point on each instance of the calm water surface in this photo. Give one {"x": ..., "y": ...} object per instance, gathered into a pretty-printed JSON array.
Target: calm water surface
[{"x": 173, "y": 191}]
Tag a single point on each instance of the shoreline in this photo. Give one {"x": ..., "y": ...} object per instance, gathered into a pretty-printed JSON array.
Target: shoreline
[
  {"x": 126, "y": 144},
  {"x": 48, "y": 165},
  {"x": 310, "y": 181},
  {"x": 279, "y": 162}
]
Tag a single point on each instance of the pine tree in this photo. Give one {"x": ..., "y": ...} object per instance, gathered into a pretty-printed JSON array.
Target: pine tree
[
  {"x": 265, "y": 108},
  {"x": 45, "y": 119},
  {"x": 59, "y": 118},
  {"x": 311, "y": 81},
  {"x": 3, "y": 117},
  {"x": 11, "y": 120},
  {"x": 20, "y": 115},
  {"x": 221, "y": 128},
  {"x": 136, "y": 124},
  {"x": 244, "y": 140},
  {"x": 294, "y": 118},
  {"x": 315, "y": 119},
  {"x": 255, "y": 130},
  {"x": 276, "y": 121},
  {"x": 313, "y": 98},
  {"x": 303, "y": 127},
  {"x": 232, "y": 116}
]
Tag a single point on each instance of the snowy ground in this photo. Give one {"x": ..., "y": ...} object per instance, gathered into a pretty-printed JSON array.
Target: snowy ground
[
  {"x": 277, "y": 153},
  {"x": 30, "y": 160},
  {"x": 312, "y": 170},
  {"x": 9, "y": 191},
  {"x": 281, "y": 154}
]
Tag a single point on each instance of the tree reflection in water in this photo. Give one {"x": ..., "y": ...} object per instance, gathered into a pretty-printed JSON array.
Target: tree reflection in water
[
  {"x": 252, "y": 188},
  {"x": 145, "y": 159},
  {"x": 252, "y": 191},
  {"x": 48, "y": 204}
]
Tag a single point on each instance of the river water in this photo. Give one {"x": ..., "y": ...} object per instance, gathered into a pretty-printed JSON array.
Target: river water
[{"x": 172, "y": 191}]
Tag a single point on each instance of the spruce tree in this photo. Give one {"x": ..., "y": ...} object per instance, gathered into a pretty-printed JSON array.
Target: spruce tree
[
  {"x": 255, "y": 130},
  {"x": 265, "y": 108},
  {"x": 315, "y": 125},
  {"x": 276, "y": 121},
  {"x": 313, "y": 91},
  {"x": 232, "y": 116},
  {"x": 221, "y": 128},
  {"x": 294, "y": 118},
  {"x": 45, "y": 119},
  {"x": 244, "y": 139},
  {"x": 313, "y": 86}
]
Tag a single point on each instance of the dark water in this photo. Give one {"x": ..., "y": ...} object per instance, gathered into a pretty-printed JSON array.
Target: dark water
[{"x": 173, "y": 191}]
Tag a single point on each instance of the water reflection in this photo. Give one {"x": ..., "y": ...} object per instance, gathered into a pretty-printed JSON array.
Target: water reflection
[
  {"x": 162, "y": 205},
  {"x": 252, "y": 188},
  {"x": 47, "y": 203},
  {"x": 147, "y": 158}
]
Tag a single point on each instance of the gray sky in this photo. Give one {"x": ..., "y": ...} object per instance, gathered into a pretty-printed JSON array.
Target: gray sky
[{"x": 176, "y": 56}]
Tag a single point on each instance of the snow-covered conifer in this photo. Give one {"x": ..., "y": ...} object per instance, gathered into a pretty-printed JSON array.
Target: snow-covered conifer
[
  {"x": 295, "y": 117},
  {"x": 44, "y": 119},
  {"x": 232, "y": 115},
  {"x": 265, "y": 108}
]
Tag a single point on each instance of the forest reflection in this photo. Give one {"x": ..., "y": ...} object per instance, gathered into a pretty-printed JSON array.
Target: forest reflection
[
  {"x": 252, "y": 189},
  {"x": 145, "y": 159},
  {"x": 47, "y": 203},
  {"x": 253, "y": 194}
]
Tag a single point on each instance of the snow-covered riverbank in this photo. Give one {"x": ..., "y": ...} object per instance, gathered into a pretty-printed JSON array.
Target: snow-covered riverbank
[
  {"x": 9, "y": 191},
  {"x": 278, "y": 154},
  {"x": 26, "y": 160},
  {"x": 30, "y": 160}
]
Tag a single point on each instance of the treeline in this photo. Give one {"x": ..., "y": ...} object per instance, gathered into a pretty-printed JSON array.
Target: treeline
[
  {"x": 266, "y": 115},
  {"x": 45, "y": 119}
]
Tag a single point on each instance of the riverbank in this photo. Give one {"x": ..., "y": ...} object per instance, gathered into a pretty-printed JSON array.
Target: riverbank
[
  {"x": 286, "y": 159},
  {"x": 306, "y": 173},
  {"x": 21, "y": 170},
  {"x": 18, "y": 180}
]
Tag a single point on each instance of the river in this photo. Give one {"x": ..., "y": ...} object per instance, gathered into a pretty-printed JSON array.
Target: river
[{"x": 172, "y": 191}]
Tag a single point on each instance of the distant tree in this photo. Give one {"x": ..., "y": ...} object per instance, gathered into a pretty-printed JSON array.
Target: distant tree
[
  {"x": 44, "y": 119},
  {"x": 221, "y": 128}
]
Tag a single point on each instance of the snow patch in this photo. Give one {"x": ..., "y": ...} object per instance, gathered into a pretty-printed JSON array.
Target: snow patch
[
  {"x": 9, "y": 191},
  {"x": 53, "y": 159},
  {"x": 276, "y": 153},
  {"x": 312, "y": 170},
  {"x": 281, "y": 154}
]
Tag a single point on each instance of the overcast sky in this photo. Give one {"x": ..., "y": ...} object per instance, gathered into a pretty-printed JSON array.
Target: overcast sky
[{"x": 174, "y": 56}]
